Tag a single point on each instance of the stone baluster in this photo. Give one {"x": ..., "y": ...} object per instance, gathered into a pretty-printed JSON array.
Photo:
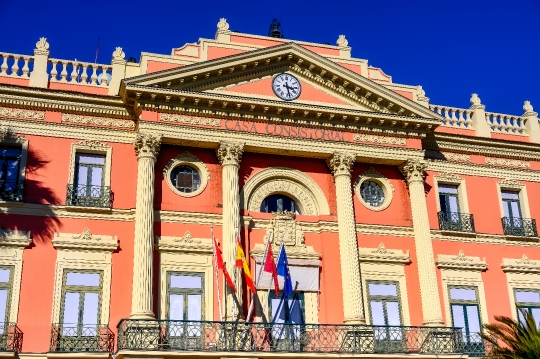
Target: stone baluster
[
  {"x": 104, "y": 78},
  {"x": 74, "y": 74},
  {"x": 63, "y": 74},
  {"x": 84, "y": 74},
  {"x": 93, "y": 78},
  {"x": 15, "y": 67},
  {"x": 146, "y": 148},
  {"x": 54, "y": 72},
  {"x": 25, "y": 68},
  {"x": 429, "y": 289},
  {"x": 39, "y": 76},
  {"x": 4, "y": 67},
  {"x": 353, "y": 309},
  {"x": 230, "y": 155}
]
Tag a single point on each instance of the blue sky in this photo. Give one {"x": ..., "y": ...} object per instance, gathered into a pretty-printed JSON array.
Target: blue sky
[{"x": 452, "y": 48}]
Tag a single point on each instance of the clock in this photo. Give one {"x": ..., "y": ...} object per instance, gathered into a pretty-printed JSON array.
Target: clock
[{"x": 286, "y": 87}]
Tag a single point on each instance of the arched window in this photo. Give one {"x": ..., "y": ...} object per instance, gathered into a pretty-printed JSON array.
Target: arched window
[{"x": 279, "y": 203}]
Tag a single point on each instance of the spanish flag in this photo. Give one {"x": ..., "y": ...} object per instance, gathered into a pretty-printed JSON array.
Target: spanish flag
[{"x": 241, "y": 262}]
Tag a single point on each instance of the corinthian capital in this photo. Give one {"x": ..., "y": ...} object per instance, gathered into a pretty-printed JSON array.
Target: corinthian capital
[
  {"x": 413, "y": 170},
  {"x": 230, "y": 153},
  {"x": 147, "y": 145},
  {"x": 341, "y": 164}
]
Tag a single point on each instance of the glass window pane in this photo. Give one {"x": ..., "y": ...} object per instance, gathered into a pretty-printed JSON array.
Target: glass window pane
[
  {"x": 82, "y": 176},
  {"x": 186, "y": 282},
  {"x": 458, "y": 316},
  {"x": 528, "y": 297},
  {"x": 10, "y": 151},
  {"x": 194, "y": 307},
  {"x": 510, "y": 195},
  {"x": 176, "y": 307},
  {"x": 377, "y": 313},
  {"x": 521, "y": 317},
  {"x": 392, "y": 309},
  {"x": 506, "y": 208},
  {"x": 444, "y": 188},
  {"x": 462, "y": 294},
  {"x": 473, "y": 319},
  {"x": 97, "y": 176},
  {"x": 4, "y": 275},
  {"x": 536, "y": 315},
  {"x": 3, "y": 304},
  {"x": 90, "y": 309},
  {"x": 12, "y": 170},
  {"x": 382, "y": 289},
  {"x": 92, "y": 159},
  {"x": 85, "y": 279},
  {"x": 454, "y": 207},
  {"x": 278, "y": 310},
  {"x": 71, "y": 309},
  {"x": 297, "y": 315},
  {"x": 514, "y": 206}
]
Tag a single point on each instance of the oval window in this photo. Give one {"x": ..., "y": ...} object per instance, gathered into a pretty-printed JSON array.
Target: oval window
[
  {"x": 186, "y": 179},
  {"x": 372, "y": 193}
]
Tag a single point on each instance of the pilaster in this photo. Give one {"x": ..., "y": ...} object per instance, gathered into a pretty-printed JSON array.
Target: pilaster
[
  {"x": 118, "y": 71},
  {"x": 429, "y": 289},
  {"x": 479, "y": 117},
  {"x": 39, "y": 76},
  {"x": 230, "y": 155},
  {"x": 531, "y": 122},
  {"x": 146, "y": 148},
  {"x": 353, "y": 309}
]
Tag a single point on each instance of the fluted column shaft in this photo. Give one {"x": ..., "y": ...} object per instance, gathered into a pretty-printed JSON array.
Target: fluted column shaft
[
  {"x": 353, "y": 308},
  {"x": 429, "y": 289},
  {"x": 146, "y": 148},
  {"x": 230, "y": 155}
]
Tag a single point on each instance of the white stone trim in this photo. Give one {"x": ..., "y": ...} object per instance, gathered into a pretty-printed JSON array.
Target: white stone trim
[
  {"x": 192, "y": 161},
  {"x": 452, "y": 179},
  {"x": 186, "y": 254},
  {"x": 384, "y": 255},
  {"x": 512, "y": 185},
  {"x": 461, "y": 262},
  {"x": 91, "y": 147},
  {"x": 13, "y": 140},
  {"x": 296, "y": 184},
  {"x": 521, "y": 273},
  {"x": 12, "y": 244},
  {"x": 83, "y": 252},
  {"x": 388, "y": 272},
  {"x": 374, "y": 176}
]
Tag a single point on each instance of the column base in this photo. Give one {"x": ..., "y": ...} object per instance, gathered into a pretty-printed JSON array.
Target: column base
[
  {"x": 434, "y": 323},
  {"x": 354, "y": 321},
  {"x": 142, "y": 315}
]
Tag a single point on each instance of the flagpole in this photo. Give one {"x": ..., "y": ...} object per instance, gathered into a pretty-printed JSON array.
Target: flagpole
[
  {"x": 235, "y": 269},
  {"x": 216, "y": 273},
  {"x": 270, "y": 283},
  {"x": 268, "y": 243}
]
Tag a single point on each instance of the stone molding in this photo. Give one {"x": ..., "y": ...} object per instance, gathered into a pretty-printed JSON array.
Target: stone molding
[
  {"x": 98, "y": 121},
  {"x": 372, "y": 175},
  {"x": 383, "y": 255},
  {"x": 85, "y": 241},
  {"x": 186, "y": 244},
  {"x": 25, "y": 114},
  {"x": 286, "y": 180},
  {"x": 382, "y": 140},
  {"x": 186, "y": 158},
  {"x": 523, "y": 265},
  {"x": 445, "y": 177},
  {"x": 91, "y": 146},
  {"x": 341, "y": 164},
  {"x": 147, "y": 145},
  {"x": 510, "y": 184},
  {"x": 507, "y": 163},
  {"x": 191, "y": 120},
  {"x": 461, "y": 262},
  {"x": 448, "y": 156},
  {"x": 230, "y": 153},
  {"x": 14, "y": 238}
]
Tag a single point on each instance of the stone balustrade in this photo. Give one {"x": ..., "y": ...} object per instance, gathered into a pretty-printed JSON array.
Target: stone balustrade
[
  {"x": 453, "y": 116},
  {"x": 15, "y": 65},
  {"x": 78, "y": 72},
  {"x": 509, "y": 124}
]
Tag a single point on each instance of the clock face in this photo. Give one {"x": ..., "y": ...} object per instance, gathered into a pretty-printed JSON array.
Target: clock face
[{"x": 286, "y": 87}]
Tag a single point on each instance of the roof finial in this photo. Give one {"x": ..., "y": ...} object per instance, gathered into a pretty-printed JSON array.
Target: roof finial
[
  {"x": 475, "y": 100},
  {"x": 223, "y": 25},
  {"x": 342, "y": 41},
  {"x": 527, "y": 107}
]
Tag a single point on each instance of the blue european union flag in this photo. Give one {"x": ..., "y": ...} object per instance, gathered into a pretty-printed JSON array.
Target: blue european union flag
[{"x": 283, "y": 270}]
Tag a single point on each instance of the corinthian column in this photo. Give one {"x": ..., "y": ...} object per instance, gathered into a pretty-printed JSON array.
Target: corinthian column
[
  {"x": 230, "y": 155},
  {"x": 429, "y": 289},
  {"x": 341, "y": 165},
  {"x": 146, "y": 148}
]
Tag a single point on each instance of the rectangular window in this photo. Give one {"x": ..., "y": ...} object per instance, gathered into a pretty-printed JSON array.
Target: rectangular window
[
  {"x": 89, "y": 174},
  {"x": 385, "y": 312},
  {"x": 528, "y": 300},
  {"x": 185, "y": 296},
  {"x": 465, "y": 311},
  {"x": 448, "y": 198},
  {"x": 10, "y": 162},
  {"x": 511, "y": 205},
  {"x": 6, "y": 276},
  {"x": 288, "y": 319},
  {"x": 81, "y": 298}
]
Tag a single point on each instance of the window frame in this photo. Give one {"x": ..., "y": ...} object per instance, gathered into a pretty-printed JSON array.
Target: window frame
[
  {"x": 452, "y": 180},
  {"x": 514, "y": 186},
  {"x": 187, "y": 159},
  {"x": 185, "y": 292},
  {"x": 90, "y": 167},
  {"x": 296, "y": 207},
  {"x": 384, "y": 299},
  {"x": 527, "y": 306},
  {"x": 465, "y": 302},
  {"x": 373, "y": 175},
  {"x": 17, "y": 141},
  {"x": 91, "y": 148},
  {"x": 81, "y": 290},
  {"x": 301, "y": 295},
  {"x": 9, "y": 287}
]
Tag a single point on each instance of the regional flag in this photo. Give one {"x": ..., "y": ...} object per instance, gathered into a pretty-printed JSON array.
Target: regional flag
[
  {"x": 241, "y": 262},
  {"x": 283, "y": 271},
  {"x": 270, "y": 267},
  {"x": 221, "y": 265}
]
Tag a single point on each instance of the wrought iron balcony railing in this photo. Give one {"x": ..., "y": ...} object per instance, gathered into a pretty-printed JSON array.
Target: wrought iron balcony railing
[
  {"x": 520, "y": 227},
  {"x": 475, "y": 346},
  {"x": 10, "y": 338},
  {"x": 81, "y": 338},
  {"x": 89, "y": 196},
  {"x": 207, "y": 336},
  {"x": 11, "y": 190},
  {"x": 455, "y": 221}
]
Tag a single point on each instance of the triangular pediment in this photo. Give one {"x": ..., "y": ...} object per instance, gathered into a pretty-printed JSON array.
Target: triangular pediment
[{"x": 239, "y": 86}]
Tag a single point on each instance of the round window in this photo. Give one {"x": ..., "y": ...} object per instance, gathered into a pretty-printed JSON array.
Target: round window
[
  {"x": 372, "y": 193},
  {"x": 185, "y": 179}
]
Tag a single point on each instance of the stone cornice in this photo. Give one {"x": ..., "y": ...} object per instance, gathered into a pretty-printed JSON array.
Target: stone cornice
[
  {"x": 523, "y": 265},
  {"x": 186, "y": 243},
  {"x": 66, "y": 102},
  {"x": 14, "y": 238},
  {"x": 85, "y": 241},
  {"x": 461, "y": 262},
  {"x": 383, "y": 255}
]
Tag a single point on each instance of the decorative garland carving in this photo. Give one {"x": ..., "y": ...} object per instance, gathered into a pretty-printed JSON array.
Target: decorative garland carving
[
  {"x": 383, "y": 255},
  {"x": 461, "y": 261},
  {"x": 507, "y": 163},
  {"x": 186, "y": 158},
  {"x": 448, "y": 177},
  {"x": 190, "y": 120},
  {"x": 380, "y": 139},
  {"x": 511, "y": 184},
  {"x": 294, "y": 183},
  {"x": 98, "y": 121},
  {"x": 92, "y": 144},
  {"x": 448, "y": 156},
  {"x": 26, "y": 114},
  {"x": 86, "y": 236},
  {"x": 85, "y": 241},
  {"x": 523, "y": 265}
]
